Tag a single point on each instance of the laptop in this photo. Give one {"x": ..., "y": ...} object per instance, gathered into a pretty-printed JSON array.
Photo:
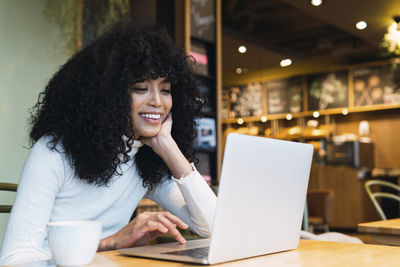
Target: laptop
[{"x": 260, "y": 204}]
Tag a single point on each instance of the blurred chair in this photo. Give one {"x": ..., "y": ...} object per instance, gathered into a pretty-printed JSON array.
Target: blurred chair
[
  {"x": 10, "y": 188},
  {"x": 379, "y": 194},
  {"x": 320, "y": 208}
]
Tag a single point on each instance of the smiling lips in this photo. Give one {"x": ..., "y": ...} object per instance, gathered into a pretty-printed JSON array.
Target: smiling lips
[{"x": 151, "y": 117}]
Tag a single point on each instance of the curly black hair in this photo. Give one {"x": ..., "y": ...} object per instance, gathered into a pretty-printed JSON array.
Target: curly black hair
[{"x": 86, "y": 104}]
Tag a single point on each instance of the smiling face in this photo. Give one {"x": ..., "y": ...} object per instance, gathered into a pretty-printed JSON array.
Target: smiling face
[{"x": 151, "y": 101}]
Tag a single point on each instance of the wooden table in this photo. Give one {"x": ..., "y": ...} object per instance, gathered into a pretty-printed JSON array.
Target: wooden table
[
  {"x": 384, "y": 232},
  {"x": 309, "y": 253}
]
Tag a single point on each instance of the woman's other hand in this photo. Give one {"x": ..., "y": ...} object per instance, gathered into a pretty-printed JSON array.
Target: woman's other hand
[{"x": 142, "y": 229}]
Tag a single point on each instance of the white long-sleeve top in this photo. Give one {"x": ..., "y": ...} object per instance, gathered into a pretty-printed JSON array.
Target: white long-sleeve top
[{"x": 48, "y": 191}]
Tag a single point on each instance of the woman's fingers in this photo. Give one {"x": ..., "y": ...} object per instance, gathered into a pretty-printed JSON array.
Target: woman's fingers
[
  {"x": 156, "y": 225},
  {"x": 148, "y": 225},
  {"x": 171, "y": 228},
  {"x": 166, "y": 222},
  {"x": 166, "y": 125},
  {"x": 169, "y": 118},
  {"x": 174, "y": 219}
]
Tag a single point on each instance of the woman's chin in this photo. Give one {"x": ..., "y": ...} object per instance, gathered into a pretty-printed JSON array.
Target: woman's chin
[{"x": 149, "y": 134}]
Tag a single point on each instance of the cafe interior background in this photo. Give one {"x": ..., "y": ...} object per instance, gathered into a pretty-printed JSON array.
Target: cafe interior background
[{"x": 322, "y": 72}]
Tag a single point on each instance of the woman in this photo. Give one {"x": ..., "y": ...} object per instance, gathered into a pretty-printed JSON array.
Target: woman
[{"x": 114, "y": 123}]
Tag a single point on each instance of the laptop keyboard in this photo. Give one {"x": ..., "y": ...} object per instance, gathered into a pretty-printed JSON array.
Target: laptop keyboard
[{"x": 192, "y": 252}]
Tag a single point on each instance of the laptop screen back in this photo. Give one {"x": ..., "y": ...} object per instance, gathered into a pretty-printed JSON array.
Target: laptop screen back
[{"x": 261, "y": 199}]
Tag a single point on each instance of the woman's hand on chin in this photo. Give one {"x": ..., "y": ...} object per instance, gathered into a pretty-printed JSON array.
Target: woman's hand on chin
[
  {"x": 160, "y": 142},
  {"x": 165, "y": 146},
  {"x": 142, "y": 229}
]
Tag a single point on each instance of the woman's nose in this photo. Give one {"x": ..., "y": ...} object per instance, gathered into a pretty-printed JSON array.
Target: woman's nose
[{"x": 155, "y": 99}]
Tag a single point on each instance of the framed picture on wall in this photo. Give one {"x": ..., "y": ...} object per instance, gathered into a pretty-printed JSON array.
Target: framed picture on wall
[
  {"x": 202, "y": 16},
  {"x": 246, "y": 100},
  {"x": 285, "y": 95},
  {"x": 376, "y": 85},
  {"x": 328, "y": 90},
  {"x": 206, "y": 133}
]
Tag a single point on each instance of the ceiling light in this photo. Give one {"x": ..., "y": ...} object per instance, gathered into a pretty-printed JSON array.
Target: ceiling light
[
  {"x": 361, "y": 25},
  {"x": 345, "y": 111},
  {"x": 286, "y": 62},
  {"x": 316, "y": 2},
  {"x": 242, "y": 49},
  {"x": 289, "y": 116},
  {"x": 240, "y": 121},
  {"x": 240, "y": 70},
  {"x": 315, "y": 114}
]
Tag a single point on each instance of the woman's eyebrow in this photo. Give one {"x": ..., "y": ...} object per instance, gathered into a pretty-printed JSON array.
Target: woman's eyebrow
[{"x": 166, "y": 81}]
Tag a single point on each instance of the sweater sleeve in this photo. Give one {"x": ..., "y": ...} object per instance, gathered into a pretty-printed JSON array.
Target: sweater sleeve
[
  {"x": 40, "y": 181},
  {"x": 190, "y": 198}
]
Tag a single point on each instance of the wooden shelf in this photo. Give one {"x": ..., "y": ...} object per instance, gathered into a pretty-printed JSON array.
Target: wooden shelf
[{"x": 335, "y": 111}]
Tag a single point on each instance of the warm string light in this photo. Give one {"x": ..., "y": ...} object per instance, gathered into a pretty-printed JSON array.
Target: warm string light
[
  {"x": 263, "y": 118},
  {"x": 391, "y": 40},
  {"x": 240, "y": 70}
]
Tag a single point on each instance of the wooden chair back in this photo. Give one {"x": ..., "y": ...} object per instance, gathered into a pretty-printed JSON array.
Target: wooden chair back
[{"x": 10, "y": 188}]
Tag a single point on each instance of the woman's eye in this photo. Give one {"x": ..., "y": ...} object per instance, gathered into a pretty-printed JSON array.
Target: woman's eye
[
  {"x": 166, "y": 91},
  {"x": 139, "y": 89}
]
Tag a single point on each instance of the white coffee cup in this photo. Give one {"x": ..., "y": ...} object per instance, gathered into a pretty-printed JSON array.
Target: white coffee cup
[{"x": 72, "y": 243}]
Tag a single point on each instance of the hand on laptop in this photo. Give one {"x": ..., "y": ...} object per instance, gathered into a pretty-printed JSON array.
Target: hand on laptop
[{"x": 142, "y": 229}]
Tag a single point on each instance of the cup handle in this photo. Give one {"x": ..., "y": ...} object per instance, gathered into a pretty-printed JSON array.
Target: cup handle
[{"x": 43, "y": 232}]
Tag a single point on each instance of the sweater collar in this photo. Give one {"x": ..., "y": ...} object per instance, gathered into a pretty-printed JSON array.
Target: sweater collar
[
  {"x": 135, "y": 146},
  {"x": 137, "y": 143}
]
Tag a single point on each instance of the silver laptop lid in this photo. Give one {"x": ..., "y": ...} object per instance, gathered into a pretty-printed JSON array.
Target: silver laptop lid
[{"x": 261, "y": 199}]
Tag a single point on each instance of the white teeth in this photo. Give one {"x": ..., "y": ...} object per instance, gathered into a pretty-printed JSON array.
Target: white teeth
[{"x": 151, "y": 116}]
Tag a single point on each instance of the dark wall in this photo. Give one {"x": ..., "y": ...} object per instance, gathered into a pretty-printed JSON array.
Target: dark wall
[{"x": 153, "y": 12}]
